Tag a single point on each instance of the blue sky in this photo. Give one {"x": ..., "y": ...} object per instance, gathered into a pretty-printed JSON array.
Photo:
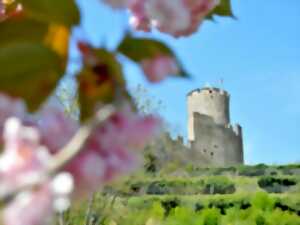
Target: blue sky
[{"x": 257, "y": 55}]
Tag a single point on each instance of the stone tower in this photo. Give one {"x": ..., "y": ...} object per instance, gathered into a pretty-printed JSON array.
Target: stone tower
[{"x": 209, "y": 130}]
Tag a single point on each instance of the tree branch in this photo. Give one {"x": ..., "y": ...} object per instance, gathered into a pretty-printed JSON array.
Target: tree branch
[
  {"x": 65, "y": 155},
  {"x": 75, "y": 145}
]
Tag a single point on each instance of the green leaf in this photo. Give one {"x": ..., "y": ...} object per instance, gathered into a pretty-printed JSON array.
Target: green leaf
[
  {"x": 100, "y": 82},
  {"x": 30, "y": 71},
  {"x": 138, "y": 49},
  {"x": 223, "y": 9},
  {"x": 53, "y": 11},
  {"x": 22, "y": 30}
]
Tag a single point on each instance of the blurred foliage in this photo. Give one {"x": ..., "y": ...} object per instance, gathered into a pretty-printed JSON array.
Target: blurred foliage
[
  {"x": 34, "y": 49},
  {"x": 139, "y": 49},
  {"x": 28, "y": 78},
  {"x": 54, "y": 11},
  {"x": 223, "y": 9},
  {"x": 99, "y": 82}
]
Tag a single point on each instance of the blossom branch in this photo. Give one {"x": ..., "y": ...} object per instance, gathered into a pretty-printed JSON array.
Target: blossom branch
[
  {"x": 74, "y": 147},
  {"x": 65, "y": 155}
]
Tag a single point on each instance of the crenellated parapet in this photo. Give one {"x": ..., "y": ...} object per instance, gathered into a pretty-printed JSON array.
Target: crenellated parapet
[
  {"x": 236, "y": 129},
  {"x": 208, "y": 90}
]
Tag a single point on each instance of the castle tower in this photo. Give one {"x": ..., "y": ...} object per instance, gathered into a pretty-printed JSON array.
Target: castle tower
[
  {"x": 212, "y": 102},
  {"x": 209, "y": 128}
]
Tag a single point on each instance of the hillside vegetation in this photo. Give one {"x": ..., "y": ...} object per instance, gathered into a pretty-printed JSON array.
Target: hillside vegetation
[{"x": 241, "y": 195}]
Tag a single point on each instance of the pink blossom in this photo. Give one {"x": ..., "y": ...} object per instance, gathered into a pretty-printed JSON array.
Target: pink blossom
[
  {"x": 55, "y": 127},
  {"x": 36, "y": 207},
  {"x": 30, "y": 208},
  {"x": 108, "y": 151},
  {"x": 139, "y": 19},
  {"x": 23, "y": 159},
  {"x": 175, "y": 17},
  {"x": 158, "y": 68},
  {"x": 10, "y": 107},
  {"x": 2, "y": 8},
  {"x": 22, "y": 163},
  {"x": 168, "y": 16},
  {"x": 199, "y": 9}
]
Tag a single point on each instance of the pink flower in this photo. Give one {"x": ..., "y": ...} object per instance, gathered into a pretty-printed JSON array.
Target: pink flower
[
  {"x": 108, "y": 151},
  {"x": 175, "y": 17},
  {"x": 23, "y": 159},
  {"x": 158, "y": 68},
  {"x": 139, "y": 19},
  {"x": 10, "y": 107},
  {"x": 199, "y": 9},
  {"x": 168, "y": 16},
  {"x": 36, "y": 207},
  {"x": 22, "y": 162},
  {"x": 55, "y": 127},
  {"x": 30, "y": 208},
  {"x": 2, "y": 8}
]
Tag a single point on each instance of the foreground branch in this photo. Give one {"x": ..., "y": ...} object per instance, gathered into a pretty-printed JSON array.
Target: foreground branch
[
  {"x": 65, "y": 155},
  {"x": 74, "y": 147}
]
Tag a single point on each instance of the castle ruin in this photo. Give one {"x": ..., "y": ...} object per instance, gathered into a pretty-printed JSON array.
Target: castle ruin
[{"x": 210, "y": 133}]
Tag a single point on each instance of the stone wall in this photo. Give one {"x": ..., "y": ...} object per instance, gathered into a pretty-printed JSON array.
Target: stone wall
[{"x": 218, "y": 144}]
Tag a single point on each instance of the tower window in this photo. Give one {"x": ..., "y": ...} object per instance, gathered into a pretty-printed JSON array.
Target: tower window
[
  {"x": 212, "y": 154},
  {"x": 215, "y": 146},
  {"x": 204, "y": 150}
]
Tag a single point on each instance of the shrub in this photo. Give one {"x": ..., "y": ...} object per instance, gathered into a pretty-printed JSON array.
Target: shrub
[
  {"x": 292, "y": 169},
  {"x": 283, "y": 207},
  {"x": 275, "y": 185},
  {"x": 157, "y": 188},
  {"x": 221, "y": 205},
  {"x": 225, "y": 171},
  {"x": 179, "y": 186},
  {"x": 262, "y": 201},
  {"x": 170, "y": 204},
  {"x": 211, "y": 217},
  {"x": 198, "y": 207},
  {"x": 260, "y": 220},
  {"x": 252, "y": 171},
  {"x": 273, "y": 173},
  {"x": 150, "y": 164},
  {"x": 218, "y": 185},
  {"x": 136, "y": 187}
]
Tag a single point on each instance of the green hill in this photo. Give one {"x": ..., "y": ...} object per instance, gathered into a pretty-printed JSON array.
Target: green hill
[{"x": 241, "y": 195}]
